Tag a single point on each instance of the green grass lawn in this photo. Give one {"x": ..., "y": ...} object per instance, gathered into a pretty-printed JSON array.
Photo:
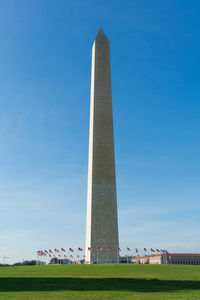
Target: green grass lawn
[{"x": 100, "y": 282}]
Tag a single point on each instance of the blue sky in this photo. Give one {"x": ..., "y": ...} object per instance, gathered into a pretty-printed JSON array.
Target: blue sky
[{"x": 45, "y": 59}]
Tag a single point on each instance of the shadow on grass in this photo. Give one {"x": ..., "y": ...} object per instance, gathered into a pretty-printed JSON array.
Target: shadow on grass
[{"x": 12, "y": 284}]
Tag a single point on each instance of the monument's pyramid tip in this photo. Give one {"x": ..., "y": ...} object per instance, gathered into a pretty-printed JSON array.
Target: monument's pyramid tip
[{"x": 101, "y": 35}]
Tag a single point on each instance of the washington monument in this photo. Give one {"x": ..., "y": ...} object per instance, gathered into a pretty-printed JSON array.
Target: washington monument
[{"x": 102, "y": 244}]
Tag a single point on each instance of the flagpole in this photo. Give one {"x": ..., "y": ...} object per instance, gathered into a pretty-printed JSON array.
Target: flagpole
[
  {"x": 118, "y": 255},
  {"x": 107, "y": 255},
  {"x": 78, "y": 258}
]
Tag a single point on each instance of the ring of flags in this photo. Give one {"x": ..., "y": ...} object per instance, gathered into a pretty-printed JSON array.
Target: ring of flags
[{"x": 56, "y": 253}]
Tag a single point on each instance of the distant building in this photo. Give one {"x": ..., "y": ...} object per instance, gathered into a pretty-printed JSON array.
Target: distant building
[
  {"x": 125, "y": 259},
  {"x": 81, "y": 262},
  {"x": 55, "y": 260},
  {"x": 39, "y": 262},
  {"x": 65, "y": 261},
  {"x": 168, "y": 258}
]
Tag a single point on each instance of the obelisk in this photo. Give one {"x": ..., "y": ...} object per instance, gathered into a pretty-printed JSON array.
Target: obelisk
[{"x": 102, "y": 245}]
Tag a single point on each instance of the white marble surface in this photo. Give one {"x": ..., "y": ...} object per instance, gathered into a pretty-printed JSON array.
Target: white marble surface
[{"x": 101, "y": 222}]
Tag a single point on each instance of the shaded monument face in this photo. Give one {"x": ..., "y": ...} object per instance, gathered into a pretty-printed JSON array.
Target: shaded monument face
[{"x": 101, "y": 223}]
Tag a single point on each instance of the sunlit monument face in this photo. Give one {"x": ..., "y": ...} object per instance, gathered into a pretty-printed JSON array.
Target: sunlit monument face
[{"x": 101, "y": 224}]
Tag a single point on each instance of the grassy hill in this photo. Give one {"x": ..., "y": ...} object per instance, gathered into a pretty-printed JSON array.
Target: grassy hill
[{"x": 100, "y": 282}]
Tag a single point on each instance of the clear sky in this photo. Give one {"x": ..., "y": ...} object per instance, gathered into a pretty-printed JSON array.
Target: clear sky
[{"x": 45, "y": 61}]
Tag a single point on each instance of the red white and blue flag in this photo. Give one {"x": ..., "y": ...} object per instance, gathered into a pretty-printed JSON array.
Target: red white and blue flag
[
  {"x": 165, "y": 252},
  {"x": 70, "y": 249},
  {"x": 80, "y": 249},
  {"x": 40, "y": 253},
  {"x": 128, "y": 249}
]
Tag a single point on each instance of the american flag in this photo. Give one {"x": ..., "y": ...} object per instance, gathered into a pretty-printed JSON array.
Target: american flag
[
  {"x": 63, "y": 250},
  {"x": 157, "y": 250},
  {"x": 90, "y": 249},
  {"x": 119, "y": 249},
  {"x": 152, "y": 250},
  {"x": 49, "y": 255},
  {"x": 128, "y": 249},
  {"x": 80, "y": 249},
  {"x": 45, "y": 251},
  {"x": 100, "y": 249},
  {"x": 50, "y": 251},
  {"x": 109, "y": 249},
  {"x": 56, "y": 250},
  {"x": 145, "y": 249},
  {"x": 40, "y": 253},
  {"x": 136, "y": 250},
  {"x": 70, "y": 249},
  {"x": 71, "y": 256}
]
